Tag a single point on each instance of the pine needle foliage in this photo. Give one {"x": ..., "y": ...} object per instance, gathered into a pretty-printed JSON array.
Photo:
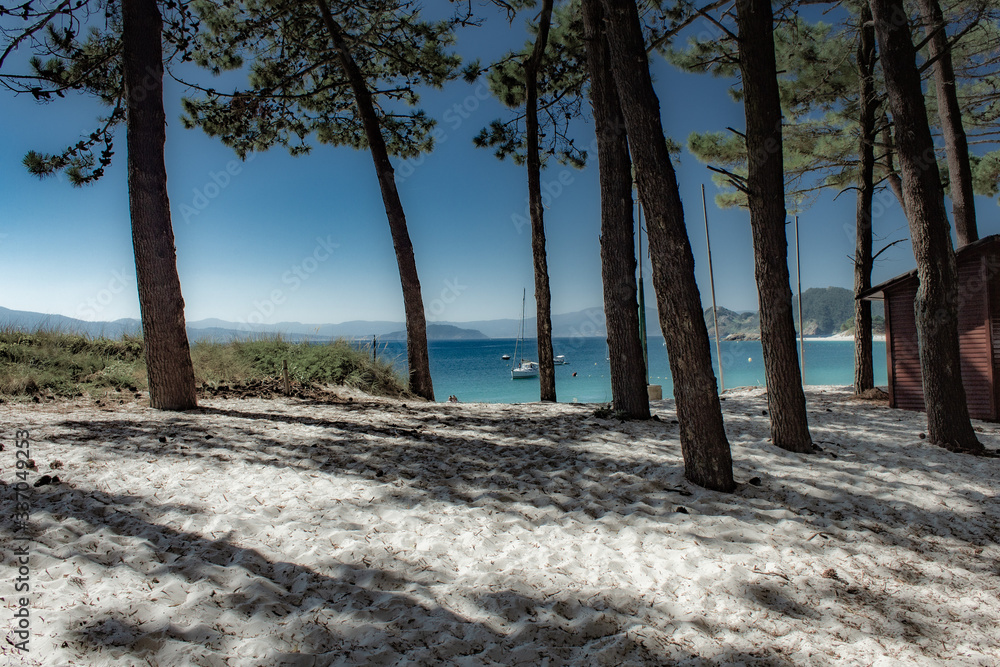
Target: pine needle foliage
[{"x": 297, "y": 87}]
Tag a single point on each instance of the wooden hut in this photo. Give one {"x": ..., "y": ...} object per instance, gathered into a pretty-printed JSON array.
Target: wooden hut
[{"x": 978, "y": 331}]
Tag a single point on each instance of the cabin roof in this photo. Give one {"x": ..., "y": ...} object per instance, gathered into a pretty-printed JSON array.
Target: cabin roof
[{"x": 877, "y": 292}]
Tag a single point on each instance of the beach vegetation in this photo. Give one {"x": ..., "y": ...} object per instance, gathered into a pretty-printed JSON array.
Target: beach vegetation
[
  {"x": 121, "y": 64},
  {"x": 52, "y": 364}
]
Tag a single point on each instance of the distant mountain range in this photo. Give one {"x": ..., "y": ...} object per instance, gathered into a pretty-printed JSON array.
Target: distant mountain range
[
  {"x": 440, "y": 332},
  {"x": 826, "y": 311}
]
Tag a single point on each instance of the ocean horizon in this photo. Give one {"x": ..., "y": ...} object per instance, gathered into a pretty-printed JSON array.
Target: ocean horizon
[{"x": 475, "y": 372}]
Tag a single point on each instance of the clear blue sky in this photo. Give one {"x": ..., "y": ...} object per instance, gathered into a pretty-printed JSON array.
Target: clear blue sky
[{"x": 248, "y": 253}]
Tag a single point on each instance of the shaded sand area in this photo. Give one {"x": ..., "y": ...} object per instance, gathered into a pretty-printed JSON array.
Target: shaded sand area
[{"x": 377, "y": 532}]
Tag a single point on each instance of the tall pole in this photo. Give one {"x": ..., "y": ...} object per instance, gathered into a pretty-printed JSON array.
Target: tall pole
[
  {"x": 711, "y": 281},
  {"x": 798, "y": 278},
  {"x": 642, "y": 301}
]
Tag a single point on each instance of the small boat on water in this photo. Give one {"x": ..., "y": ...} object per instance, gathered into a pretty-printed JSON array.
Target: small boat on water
[
  {"x": 525, "y": 368},
  {"x": 505, "y": 357},
  {"x": 560, "y": 360}
]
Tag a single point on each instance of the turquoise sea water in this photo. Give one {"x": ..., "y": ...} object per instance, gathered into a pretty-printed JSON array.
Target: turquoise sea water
[{"x": 475, "y": 372}]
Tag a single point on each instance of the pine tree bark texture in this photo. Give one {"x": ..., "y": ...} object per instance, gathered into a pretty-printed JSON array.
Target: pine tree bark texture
[
  {"x": 543, "y": 298},
  {"x": 618, "y": 263},
  {"x": 936, "y": 304},
  {"x": 168, "y": 356},
  {"x": 963, "y": 205},
  {"x": 868, "y": 103},
  {"x": 766, "y": 200},
  {"x": 707, "y": 457},
  {"x": 417, "y": 356}
]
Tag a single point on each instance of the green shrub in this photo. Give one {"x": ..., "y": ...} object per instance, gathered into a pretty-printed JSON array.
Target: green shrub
[{"x": 64, "y": 364}]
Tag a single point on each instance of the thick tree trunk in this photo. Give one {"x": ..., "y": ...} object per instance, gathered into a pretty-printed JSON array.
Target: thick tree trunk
[
  {"x": 628, "y": 374},
  {"x": 413, "y": 303},
  {"x": 168, "y": 357},
  {"x": 963, "y": 205},
  {"x": 707, "y": 458},
  {"x": 864, "y": 375},
  {"x": 546, "y": 360},
  {"x": 766, "y": 200},
  {"x": 936, "y": 304}
]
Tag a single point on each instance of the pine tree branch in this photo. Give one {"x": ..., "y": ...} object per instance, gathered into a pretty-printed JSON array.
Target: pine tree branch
[
  {"x": 951, "y": 44},
  {"x": 737, "y": 181},
  {"x": 875, "y": 256},
  {"x": 670, "y": 34},
  {"x": 30, "y": 31},
  {"x": 718, "y": 24}
]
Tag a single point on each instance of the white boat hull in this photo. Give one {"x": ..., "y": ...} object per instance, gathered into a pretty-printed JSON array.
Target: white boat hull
[{"x": 527, "y": 369}]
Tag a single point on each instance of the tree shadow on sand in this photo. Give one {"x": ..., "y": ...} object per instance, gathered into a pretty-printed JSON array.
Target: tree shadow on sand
[{"x": 197, "y": 601}]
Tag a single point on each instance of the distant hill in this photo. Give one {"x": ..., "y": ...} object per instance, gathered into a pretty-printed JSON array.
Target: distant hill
[
  {"x": 441, "y": 332},
  {"x": 732, "y": 323},
  {"x": 825, "y": 311},
  {"x": 30, "y": 321}
]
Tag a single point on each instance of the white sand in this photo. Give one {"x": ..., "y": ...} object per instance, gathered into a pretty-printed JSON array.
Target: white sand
[
  {"x": 377, "y": 534},
  {"x": 843, "y": 335}
]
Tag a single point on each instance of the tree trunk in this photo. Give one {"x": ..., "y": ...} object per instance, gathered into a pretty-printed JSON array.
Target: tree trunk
[
  {"x": 628, "y": 374},
  {"x": 766, "y": 200},
  {"x": 936, "y": 304},
  {"x": 413, "y": 303},
  {"x": 963, "y": 205},
  {"x": 707, "y": 458},
  {"x": 864, "y": 374},
  {"x": 888, "y": 162},
  {"x": 546, "y": 360},
  {"x": 168, "y": 357}
]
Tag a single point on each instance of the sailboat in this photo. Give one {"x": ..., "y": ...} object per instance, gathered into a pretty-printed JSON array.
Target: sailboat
[{"x": 525, "y": 368}]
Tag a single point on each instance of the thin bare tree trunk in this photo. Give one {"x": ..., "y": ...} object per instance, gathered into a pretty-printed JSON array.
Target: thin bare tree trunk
[
  {"x": 963, "y": 205},
  {"x": 628, "y": 374},
  {"x": 766, "y": 200},
  {"x": 707, "y": 457},
  {"x": 543, "y": 299},
  {"x": 936, "y": 305},
  {"x": 413, "y": 303},
  {"x": 168, "y": 356},
  {"x": 887, "y": 161},
  {"x": 864, "y": 374}
]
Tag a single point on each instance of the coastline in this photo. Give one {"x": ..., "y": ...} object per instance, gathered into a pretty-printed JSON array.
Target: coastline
[{"x": 876, "y": 338}]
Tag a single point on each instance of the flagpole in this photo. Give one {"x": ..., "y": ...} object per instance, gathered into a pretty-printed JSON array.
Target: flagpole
[
  {"x": 642, "y": 300},
  {"x": 798, "y": 278},
  {"x": 711, "y": 280}
]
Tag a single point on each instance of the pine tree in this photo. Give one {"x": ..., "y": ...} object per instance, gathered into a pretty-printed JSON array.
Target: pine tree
[
  {"x": 123, "y": 67},
  {"x": 948, "y": 421},
  {"x": 618, "y": 263},
  {"x": 868, "y": 104},
  {"x": 346, "y": 73},
  {"x": 707, "y": 457},
  {"x": 950, "y": 114},
  {"x": 764, "y": 190},
  {"x": 542, "y": 83},
  {"x": 543, "y": 299}
]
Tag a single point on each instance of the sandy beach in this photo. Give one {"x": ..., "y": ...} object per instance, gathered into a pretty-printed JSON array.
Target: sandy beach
[{"x": 367, "y": 531}]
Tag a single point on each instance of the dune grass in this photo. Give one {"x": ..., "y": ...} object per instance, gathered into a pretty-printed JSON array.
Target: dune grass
[{"x": 59, "y": 364}]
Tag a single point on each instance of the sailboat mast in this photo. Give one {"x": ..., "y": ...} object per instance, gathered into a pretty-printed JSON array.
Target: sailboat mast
[{"x": 524, "y": 296}]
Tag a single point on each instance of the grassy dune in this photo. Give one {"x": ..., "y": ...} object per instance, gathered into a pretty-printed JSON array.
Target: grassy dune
[{"x": 56, "y": 364}]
